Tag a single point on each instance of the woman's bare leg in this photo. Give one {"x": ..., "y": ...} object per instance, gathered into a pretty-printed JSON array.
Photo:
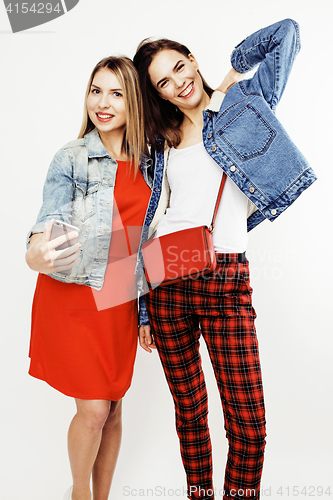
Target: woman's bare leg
[
  {"x": 84, "y": 439},
  {"x": 106, "y": 459}
]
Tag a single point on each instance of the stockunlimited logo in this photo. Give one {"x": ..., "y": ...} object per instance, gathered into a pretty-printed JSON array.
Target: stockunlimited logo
[{"x": 25, "y": 15}]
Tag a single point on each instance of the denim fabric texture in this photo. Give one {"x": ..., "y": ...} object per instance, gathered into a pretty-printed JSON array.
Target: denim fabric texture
[
  {"x": 79, "y": 190},
  {"x": 244, "y": 136}
]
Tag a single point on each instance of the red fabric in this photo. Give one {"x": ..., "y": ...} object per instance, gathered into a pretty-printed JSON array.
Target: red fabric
[
  {"x": 83, "y": 342},
  {"x": 217, "y": 306}
]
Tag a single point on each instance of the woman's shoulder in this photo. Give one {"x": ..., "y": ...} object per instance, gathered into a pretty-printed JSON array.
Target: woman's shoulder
[
  {"x": 76, "y": 143},
  {"x": 72, "y": 153},
  {"x": 90, "y": 145},
  {"x": 77, "y": 153}
]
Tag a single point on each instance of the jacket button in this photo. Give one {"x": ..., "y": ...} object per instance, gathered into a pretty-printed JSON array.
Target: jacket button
[
  {"x": 214, "y": 148},
  {"x": 232, "y": 168},
  {"x": 209, "y": 136},
  {"x": 209, "y": 115},
  {"x": 251, "y": 189},
  {"x": 273, "y": 212}
]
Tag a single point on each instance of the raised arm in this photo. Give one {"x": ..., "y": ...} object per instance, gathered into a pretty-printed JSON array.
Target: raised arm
[{"x": 274, "y": 48}]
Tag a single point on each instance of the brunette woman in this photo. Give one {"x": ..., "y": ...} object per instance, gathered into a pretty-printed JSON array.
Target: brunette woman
[
  {"x": 198, "y": 134},
  {"x": 85, "y": 321}
]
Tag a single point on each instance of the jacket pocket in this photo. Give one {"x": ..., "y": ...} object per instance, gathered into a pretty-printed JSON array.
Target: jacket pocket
[
  {"x": 247, "y": 134},
  {"x": 85, "y": 196}
]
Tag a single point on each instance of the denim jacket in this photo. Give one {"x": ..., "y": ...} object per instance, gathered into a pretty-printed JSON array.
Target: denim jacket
[
  {"x": 242, "y": 134},
  {"x": 79, "y": 190}
]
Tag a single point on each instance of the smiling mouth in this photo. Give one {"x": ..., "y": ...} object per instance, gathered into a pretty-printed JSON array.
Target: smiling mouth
[
  {"x": 187, "y": 91},
  {"x": 103, "y": 117}
]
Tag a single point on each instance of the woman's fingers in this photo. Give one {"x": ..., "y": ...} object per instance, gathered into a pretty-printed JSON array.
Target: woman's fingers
[
  {"x": 142, "y": 339},
  {"x": 42, "y": 255},
  {"x": 60, "y": 260},
  {"x": 149, "y": 337},
  {"x": 67, "y": 252},
  {"x": 64, "y": 262},
  {"x": 145, "y": 339},
  {"x": 48, "y": 230},
  {"x": 56, "y": 242}
]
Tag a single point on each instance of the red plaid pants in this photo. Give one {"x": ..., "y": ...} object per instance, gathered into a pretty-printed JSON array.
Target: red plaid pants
[{"x": 219, "y": 307}]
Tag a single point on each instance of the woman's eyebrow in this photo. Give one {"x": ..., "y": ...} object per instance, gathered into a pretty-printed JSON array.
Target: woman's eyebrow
[
  {"x": 111, "y": 90},
  {"x": 173, "y": 69}
]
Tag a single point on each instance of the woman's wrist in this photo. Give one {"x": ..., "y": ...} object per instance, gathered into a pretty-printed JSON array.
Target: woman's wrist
[
  {"x": 32, "y": 255},
  {"x": 231, "y": 77}
]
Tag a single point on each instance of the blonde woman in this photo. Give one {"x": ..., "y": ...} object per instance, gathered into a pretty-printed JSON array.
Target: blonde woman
[{"x": 84, "y": 338}]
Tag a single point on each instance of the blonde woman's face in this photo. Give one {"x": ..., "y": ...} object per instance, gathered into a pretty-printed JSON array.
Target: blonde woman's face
[
  {"x": 176, "y": 78},
  {"x": 106, "y": 103}
]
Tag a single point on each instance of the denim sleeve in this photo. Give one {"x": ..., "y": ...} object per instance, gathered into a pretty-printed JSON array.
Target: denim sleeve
[
  {"x": 58, "y": 193},
  {"x": 142, "y": 290},
  {"x": 274, "y": 48},
  {"x": 143, "y": 315}
]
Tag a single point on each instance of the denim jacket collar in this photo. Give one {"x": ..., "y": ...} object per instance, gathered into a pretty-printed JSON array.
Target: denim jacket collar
[
  {"x": 215, "y": 101},
  {"x": 96, "y": 149},
  {"x": 94, "y": 145}
]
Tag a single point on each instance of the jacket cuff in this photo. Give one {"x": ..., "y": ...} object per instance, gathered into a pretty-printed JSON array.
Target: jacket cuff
[
  {"x": 237, "y": 60},
  {"x": 37, "y": 228},
  {"x": 143, "y": 315}
]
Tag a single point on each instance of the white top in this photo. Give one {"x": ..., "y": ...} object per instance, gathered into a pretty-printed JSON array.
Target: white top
[{"x": 194, "y": 179}]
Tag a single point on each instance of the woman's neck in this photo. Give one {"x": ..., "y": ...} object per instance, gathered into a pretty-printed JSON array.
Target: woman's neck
[
  {"x": 113, "y": 143},
  {"x": 193, "y": 117},
  {"x": 191, "y": 126}
]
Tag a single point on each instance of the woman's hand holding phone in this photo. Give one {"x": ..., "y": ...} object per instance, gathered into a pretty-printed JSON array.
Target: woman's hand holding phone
[{"x": 42, "y": 255}]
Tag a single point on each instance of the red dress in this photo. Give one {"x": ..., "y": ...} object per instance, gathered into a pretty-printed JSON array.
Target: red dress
[{"x": 83, "y": 342}]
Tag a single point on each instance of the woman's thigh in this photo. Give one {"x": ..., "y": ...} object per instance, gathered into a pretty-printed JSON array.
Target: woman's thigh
[
  {"x": 227, "y": 322},
  {"x": 176, "y": 332}
]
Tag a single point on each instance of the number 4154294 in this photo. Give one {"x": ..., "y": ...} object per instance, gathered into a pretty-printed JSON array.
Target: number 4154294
[
  {"x": 311, "y": 491},
  {"x": 35, "y": 8}
]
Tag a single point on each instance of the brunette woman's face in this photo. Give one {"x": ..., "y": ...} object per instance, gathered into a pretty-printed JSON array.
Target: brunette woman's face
[
  {"x": 176, "y": 78},
  {"x": 106, "y": 103}
]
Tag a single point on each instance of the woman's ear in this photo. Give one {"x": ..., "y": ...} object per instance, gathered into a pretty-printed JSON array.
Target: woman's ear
[{"x": 193, "y": 61}]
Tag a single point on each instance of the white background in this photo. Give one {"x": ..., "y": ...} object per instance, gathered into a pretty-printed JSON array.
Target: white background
[{"x": 44, "y": 74}]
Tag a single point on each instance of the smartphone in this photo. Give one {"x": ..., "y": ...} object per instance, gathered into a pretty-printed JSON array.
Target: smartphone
[{"x": 60, "y": 228}]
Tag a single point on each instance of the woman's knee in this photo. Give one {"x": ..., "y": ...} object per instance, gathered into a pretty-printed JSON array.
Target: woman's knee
[
  {"x": 94, "y": 413},
  {"x": 115, "y": 414}
]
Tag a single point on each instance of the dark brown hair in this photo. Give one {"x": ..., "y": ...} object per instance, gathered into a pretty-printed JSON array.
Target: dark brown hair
[{"x": 162, "y": 118}]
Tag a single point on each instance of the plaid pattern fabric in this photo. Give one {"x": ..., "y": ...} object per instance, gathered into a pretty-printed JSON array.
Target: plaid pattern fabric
[{"x": 219, "y": 307}]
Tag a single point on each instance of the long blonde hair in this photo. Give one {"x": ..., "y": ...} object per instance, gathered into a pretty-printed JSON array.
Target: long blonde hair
[{"x": 134, "y": 138}]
